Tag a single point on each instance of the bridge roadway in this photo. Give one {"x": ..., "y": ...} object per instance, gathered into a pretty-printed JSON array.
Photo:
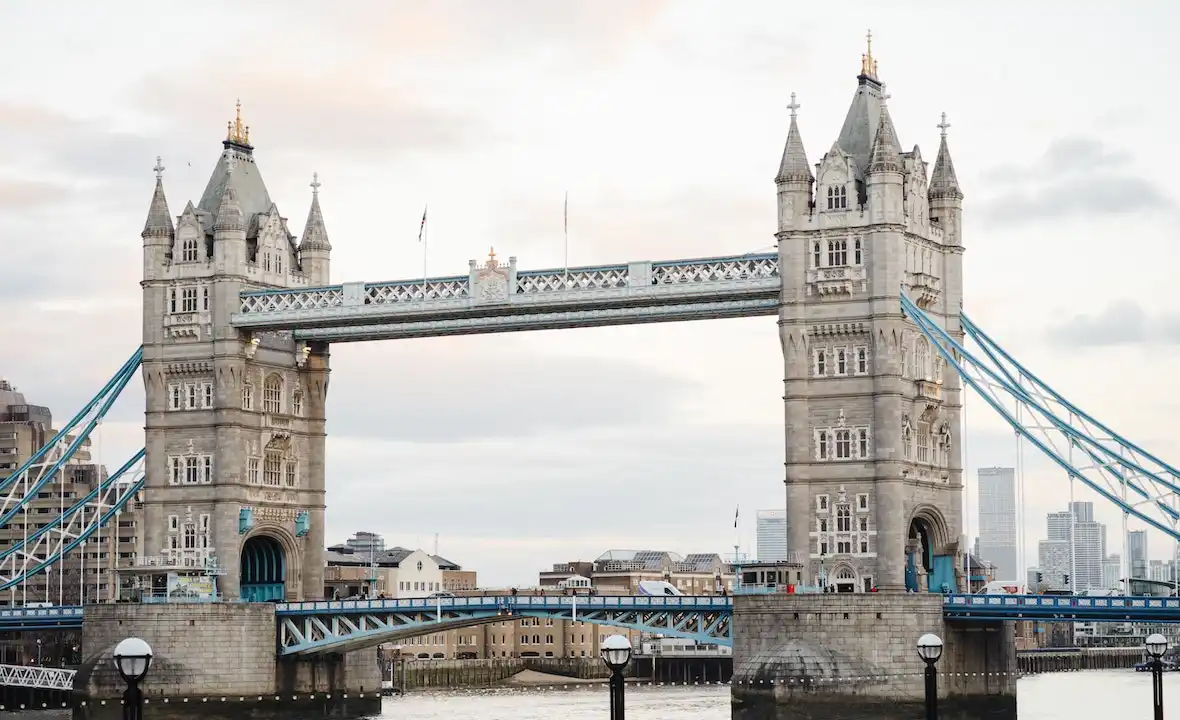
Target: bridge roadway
[
  {"x": 495, "y": 297},
  {"x": 309, "y": 628}
]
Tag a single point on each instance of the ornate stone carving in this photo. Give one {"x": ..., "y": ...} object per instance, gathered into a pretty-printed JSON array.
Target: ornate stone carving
[
  {"x": 251, "y": 348},
  {"x": 302, "y": 350},
  {"x": 837, "y": 280},
  {"x": 491, "y": 282},
  {"x": 200, "y": 367}
]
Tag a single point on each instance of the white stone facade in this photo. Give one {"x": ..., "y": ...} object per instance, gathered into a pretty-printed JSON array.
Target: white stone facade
[
  {"x": 872, "y": 411},
  {"x": 233, "y": 421}
]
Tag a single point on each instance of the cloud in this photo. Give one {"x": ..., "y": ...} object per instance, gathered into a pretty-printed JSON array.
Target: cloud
[
  {"x": 1075, "y": 177},
  {"x": 438, "y": 391},
  {"x": 1123, "y": 322}
]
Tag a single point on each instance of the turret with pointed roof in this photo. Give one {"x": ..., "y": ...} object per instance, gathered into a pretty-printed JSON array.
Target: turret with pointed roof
[
  {"x": 794, "y": 179},
  {"x": 159, "y": 219},
  {"x": 315, "y": 249},
  {"x": 946, "y": 197}
]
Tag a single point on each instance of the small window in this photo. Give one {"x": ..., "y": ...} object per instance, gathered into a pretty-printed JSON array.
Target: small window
[
  {"x": 205, "y": 299},
  {"x": 207, "y": 401},
  {"x": 821, "y": 502},
  {"x": 175, "y": 397},
  {"x": 841, "y": 361},
  {"x": 297, "y": 402},
  {"x": 821, "y": 362},
  {"x": 816, "y": 255},
  {"x": 247, "y": 396},
  {"x": 862, "y": 443},
  {"x": 824, "y": 449},
  {"x": 191, "y": 396},
  {"x": 173, "y": 523},
  {"x": 857, "y": 254},
  {"x": 864, "y": 548},
  {"x": 843, "y": 444},
  {"x": 862, "y": 501},
  {"x": 862, "y": 360},
  {"x": 823, "y": 525},
  {"x": 189, "y": 250},
  {"x": 862, "y": 523}
]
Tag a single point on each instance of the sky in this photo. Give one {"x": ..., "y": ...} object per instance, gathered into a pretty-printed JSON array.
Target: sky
[{"x": 665, "y": 122}]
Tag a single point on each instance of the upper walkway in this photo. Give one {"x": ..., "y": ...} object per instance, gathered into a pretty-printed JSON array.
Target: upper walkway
[{"x": 494, "y": 297}]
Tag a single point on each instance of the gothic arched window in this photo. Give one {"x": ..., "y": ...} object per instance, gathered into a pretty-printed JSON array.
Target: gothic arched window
[
  {"x": 297, "y": 402},
  {"x": 857, "y": 254},
  {"x": 841, "y": 197},
  {"x": 843, "y": 444},
  {"x": 843, "y": 519},
  {"x": 272, "y": 395},
  {"x": 272, "y": 470},
  {"x": 816, "y": 256},
  {"x": 837, "y": 253},
  {"x": 831, "y": 198},
  {"x": 922, "y": 359},
  {"x": 189, "y": 250}
]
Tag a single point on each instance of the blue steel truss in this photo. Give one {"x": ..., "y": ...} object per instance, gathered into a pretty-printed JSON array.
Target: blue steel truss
[
  {"x": 1121, "y": 472},
  {"x": 498, "y": 298},
  {"x": 39, "y": 550},
  {"x": 309, "y": 628}
]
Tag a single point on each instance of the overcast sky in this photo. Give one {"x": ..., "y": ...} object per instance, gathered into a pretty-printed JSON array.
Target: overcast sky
[{"x": 665, "y": 121}]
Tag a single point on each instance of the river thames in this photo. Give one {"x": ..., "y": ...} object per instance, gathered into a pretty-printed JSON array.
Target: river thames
[{"x": 1095, "y": 695}]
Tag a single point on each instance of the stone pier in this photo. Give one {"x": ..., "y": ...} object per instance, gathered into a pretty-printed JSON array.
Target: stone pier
[
  {"x": 854, "y": 657},
  {"x": 219, "y": 656}
]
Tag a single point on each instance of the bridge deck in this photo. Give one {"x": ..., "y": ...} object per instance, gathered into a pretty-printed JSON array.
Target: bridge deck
[{"x": 499, "y": 298}]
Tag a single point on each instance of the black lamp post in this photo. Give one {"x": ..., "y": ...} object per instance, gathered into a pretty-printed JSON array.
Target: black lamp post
[
  {"x": 616, "y": 653},
  {"x": 133, "y": 657},
  {"x": 930, "y": 649},
  {"x": 1157, "y": 645}
]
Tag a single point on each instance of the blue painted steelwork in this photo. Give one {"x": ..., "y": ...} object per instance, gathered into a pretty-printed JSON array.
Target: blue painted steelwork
[
  {"x": 1063, "y": 608},
  {"x": 341, "y": 626},
  {"x": 40, "y": 618},
  {"x": 1113, "y": 472},
  {"x": 264, "y": 570},
  {"x": 46, "y": 546}
]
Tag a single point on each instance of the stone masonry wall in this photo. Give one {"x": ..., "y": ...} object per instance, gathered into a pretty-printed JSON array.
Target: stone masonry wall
[
  {"x": 854, "y": 656},
  {"x": 211, "y": 649}
]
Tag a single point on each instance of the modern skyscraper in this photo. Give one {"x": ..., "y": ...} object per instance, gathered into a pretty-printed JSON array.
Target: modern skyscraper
[
  {"x": 997, "y": 520},
  {"x": 772, "y": 535},
  {"x": 1082, "y": 511},
  {"x": 1137, "y": 553},
  {"x": 1089, "y": 539}
]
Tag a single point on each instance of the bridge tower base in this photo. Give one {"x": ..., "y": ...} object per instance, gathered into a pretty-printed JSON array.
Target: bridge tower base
[
  {"x": 854, "y": 656},
  {"x": 222, "y": 657}
]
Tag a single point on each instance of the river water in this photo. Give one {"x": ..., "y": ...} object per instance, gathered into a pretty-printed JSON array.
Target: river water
[{"x": 1094, "y": 695}]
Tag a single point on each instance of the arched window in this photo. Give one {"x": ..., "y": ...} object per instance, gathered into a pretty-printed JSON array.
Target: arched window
[
  {"x": 297, "y": 402},
  {"x": 843, "y": 519},
  {"x": 845, "y": 573},
  {"x": 272, "y": 395},
  {"x": 857, "y": 254},
  {"x": 907, "y": 441},
  {"x": 837, "y": 253},
  {"x": 272, "y": 472},
  {"x": 922, "y": 359},
  {"x": 189, "y": 250},
  {"x": 831, "y": 198},
  {"x": 816, "y": 256},
  {"x": 841, "y": 197},
  {"x": 843, "y": 444}
]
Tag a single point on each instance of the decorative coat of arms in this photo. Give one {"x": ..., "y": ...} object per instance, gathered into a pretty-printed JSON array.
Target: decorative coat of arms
[{"x": 491, "y": 282}]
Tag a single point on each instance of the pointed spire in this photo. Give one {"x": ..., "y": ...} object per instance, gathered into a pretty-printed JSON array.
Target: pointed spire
[
  {"x": 159, "y": 219},
  {"x": 794, "y": 166},
  {"x": 886, "y": 157},
  {"x": 868, "y": 64},
  {"x": 943, "y": 182},
  {"x": 236, "y": 132},
  {"x": 315, "y": 235},
  {"x": 229, "y": 212}
]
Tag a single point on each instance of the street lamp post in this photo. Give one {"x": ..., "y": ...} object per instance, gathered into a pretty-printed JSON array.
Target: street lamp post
[
  {"x": 132, "y": 658},
  {"x": 930, "y": 649},
  {"x": 616, "y": 653},
  {"x": 1157, "y": 645}
]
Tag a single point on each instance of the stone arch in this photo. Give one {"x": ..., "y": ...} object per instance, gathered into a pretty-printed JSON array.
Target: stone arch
[
  {"x": 927, "y": 534},
  {"x": 270, "y": 565}
]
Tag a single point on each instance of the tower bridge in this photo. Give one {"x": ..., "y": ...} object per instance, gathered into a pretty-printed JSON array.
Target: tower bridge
[{"x": 867, "y": 284}]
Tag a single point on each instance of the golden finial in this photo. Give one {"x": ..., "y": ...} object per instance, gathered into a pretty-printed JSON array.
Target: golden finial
[
  {"x": 491, "y": 256},
  {"x": 868, "y": 66},
  {"x": 236, "y": 132}
]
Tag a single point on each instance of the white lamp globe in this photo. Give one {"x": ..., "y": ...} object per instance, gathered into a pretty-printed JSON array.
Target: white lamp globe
[
  {"x": 616, "y": 651},
  {"x": 930, "y": 647},
  {"x": 1157, "y": 645},
  {"x": 132, "y": 659}
]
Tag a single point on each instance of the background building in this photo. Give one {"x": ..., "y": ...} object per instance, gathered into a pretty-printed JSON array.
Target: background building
[
  {"x": 772, "y": 535},
  {"x": 619, "y": 572},
  {"x": 1137, "y": 553},
  {"x": 997, "y": 521},
  {"x": 363, "y": 567}
]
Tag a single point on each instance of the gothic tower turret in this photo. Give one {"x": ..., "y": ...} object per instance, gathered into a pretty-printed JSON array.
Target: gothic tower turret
[
  {"x": 794, "y": 179},
  {"x": 158, "y": 231},
  {"x": 946, "y": 198},
  {"x": 314, "y": 249}
]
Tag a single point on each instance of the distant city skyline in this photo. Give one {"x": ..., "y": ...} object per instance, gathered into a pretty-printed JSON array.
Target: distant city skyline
[{"x": 997, "y": 521}]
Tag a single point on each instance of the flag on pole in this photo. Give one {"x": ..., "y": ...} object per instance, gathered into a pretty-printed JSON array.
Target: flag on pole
[
  {"x": 422, "y": 226},
  {"x": 736, "y": 511}
]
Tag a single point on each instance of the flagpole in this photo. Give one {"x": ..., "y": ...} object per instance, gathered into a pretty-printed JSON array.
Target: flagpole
[
  {"x": 566, "y": 231},
  {"x": 737, "y": 540},
  {"x": 424, "y": 233}
]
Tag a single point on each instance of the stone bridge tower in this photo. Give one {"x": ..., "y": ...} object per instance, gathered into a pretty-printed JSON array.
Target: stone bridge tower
[
  {"x": 873, "y": 466},
  {"x": 234, "y": 420}
]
